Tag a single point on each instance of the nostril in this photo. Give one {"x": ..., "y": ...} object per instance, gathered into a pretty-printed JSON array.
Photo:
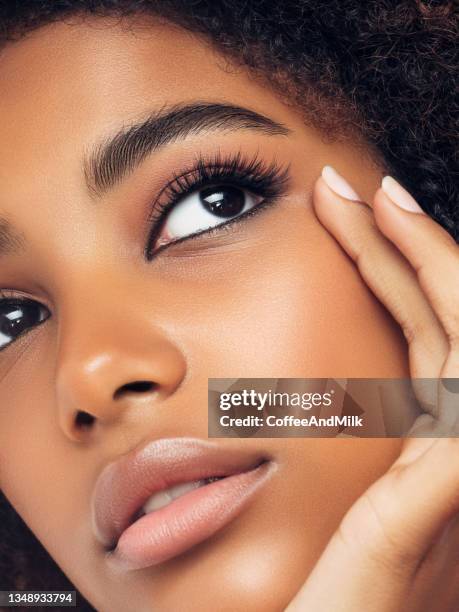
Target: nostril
[
  {"x": 139, "y": 386},
  {"x": 84, "y": 419}
]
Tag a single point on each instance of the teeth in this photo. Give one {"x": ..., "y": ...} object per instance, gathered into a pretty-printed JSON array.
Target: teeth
[
  {"x": 164, "y": 498},
  {"x": 212, "y": 479},
  {"x": 157, "y": 501},
  {"x": 183, "y": 488}
]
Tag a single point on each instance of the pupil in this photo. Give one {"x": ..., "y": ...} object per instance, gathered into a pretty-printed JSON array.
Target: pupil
[
  {"x": 17, "y": 319},
  {"x": 223, "y": 201}
]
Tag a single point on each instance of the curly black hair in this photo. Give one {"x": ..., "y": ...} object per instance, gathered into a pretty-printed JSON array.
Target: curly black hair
[{"x": 387, "y": 68}]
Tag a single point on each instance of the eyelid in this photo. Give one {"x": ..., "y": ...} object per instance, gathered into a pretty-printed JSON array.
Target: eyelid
[
  {"x": 219, "y": 167},
  {"x": 262, "y": 206},
  {"x": 18, "y": 296},
  {"x": 254, "y": 174}
]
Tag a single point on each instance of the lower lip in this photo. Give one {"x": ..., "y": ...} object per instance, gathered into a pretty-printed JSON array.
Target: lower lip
[{"x": 188, "y": 520}]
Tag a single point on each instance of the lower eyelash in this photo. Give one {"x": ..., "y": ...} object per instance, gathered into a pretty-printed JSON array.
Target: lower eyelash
[
  {"x": 269, "y": 181},
  {"x": 227, "y": 225}
]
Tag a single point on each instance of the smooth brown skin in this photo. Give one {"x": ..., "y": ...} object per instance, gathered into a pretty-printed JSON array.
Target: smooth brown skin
[
  {"x": 396, "y": 549},
  {"x": 275, "y": 297}
]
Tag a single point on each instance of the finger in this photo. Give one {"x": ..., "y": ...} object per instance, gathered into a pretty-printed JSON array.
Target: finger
[
  {"x": 389, "y": 276},
  {"x": 373, "y": 557},
  {"x": 437, "y": 581},
  {"x": 430, "y": 250},
  {"x": 448, "y": 394}
]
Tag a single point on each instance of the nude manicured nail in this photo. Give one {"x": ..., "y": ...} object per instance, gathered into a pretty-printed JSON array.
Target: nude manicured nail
[
  {"x": 338, "y": 184},
  {"x": 399, "y": 195}
]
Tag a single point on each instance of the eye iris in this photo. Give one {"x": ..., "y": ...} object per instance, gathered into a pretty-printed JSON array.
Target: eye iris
[
  {"x": 17, "y": 319},
  {"x": 223, "y": 201}
]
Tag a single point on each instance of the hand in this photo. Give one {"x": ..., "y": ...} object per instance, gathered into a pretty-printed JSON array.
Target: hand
[{"x": 397, "y": 548}]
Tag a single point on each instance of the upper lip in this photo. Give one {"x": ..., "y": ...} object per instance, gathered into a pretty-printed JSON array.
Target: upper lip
[{"x": 125, "y": 485}]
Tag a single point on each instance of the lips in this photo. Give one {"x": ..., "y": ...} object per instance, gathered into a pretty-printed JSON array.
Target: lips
[{"x": 163, "y": 498}]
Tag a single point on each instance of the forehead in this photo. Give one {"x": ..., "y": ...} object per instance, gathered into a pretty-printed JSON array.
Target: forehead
[
  {"x": 67, "y": 85},
  {"x": 65, "y": 66}
]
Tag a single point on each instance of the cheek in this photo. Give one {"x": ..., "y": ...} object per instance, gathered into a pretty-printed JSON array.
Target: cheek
[
  {"x": 35, "y": 471},
  {"x": 294, "y": 305}
]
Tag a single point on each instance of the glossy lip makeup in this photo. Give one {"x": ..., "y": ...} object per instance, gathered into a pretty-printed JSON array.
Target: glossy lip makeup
[{"x": 161, "y": 499}]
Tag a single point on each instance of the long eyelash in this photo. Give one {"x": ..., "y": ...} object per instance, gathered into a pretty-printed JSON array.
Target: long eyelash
[
  {"x": 269, "y": 181},
  {"x": 251, "y": 173}
]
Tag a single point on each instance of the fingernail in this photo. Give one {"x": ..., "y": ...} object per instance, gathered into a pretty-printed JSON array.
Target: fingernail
[
  {"x": 399, "y": 195},
  {"x": 338, "y": 184}
]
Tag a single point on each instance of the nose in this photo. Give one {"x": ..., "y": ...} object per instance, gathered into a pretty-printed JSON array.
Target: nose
[{"x": 108, "y": 368}]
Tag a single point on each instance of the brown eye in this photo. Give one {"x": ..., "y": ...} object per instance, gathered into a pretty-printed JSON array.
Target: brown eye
[
  {"x": 205, "y": 209},
  {"x": 16, "y": 318},
  {"x": 224, "y": 201}
]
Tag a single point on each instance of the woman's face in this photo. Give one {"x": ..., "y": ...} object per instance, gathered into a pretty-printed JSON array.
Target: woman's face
[{"x": 270, "y": 296}]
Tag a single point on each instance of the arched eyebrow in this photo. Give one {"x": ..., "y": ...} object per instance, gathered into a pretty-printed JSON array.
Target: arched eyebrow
[{"x": 115, "y": 158}]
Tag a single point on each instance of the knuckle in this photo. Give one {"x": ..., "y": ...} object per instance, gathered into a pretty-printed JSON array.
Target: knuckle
[
  {"x": 452, "y": 329},
  {"x": 411, "y": 332},
  {"x": 415, "y": 330},
  {"x": 451, "y": 364}
]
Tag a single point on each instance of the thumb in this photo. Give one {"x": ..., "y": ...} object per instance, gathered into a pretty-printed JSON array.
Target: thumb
[{"x": 372, "y": 559}]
